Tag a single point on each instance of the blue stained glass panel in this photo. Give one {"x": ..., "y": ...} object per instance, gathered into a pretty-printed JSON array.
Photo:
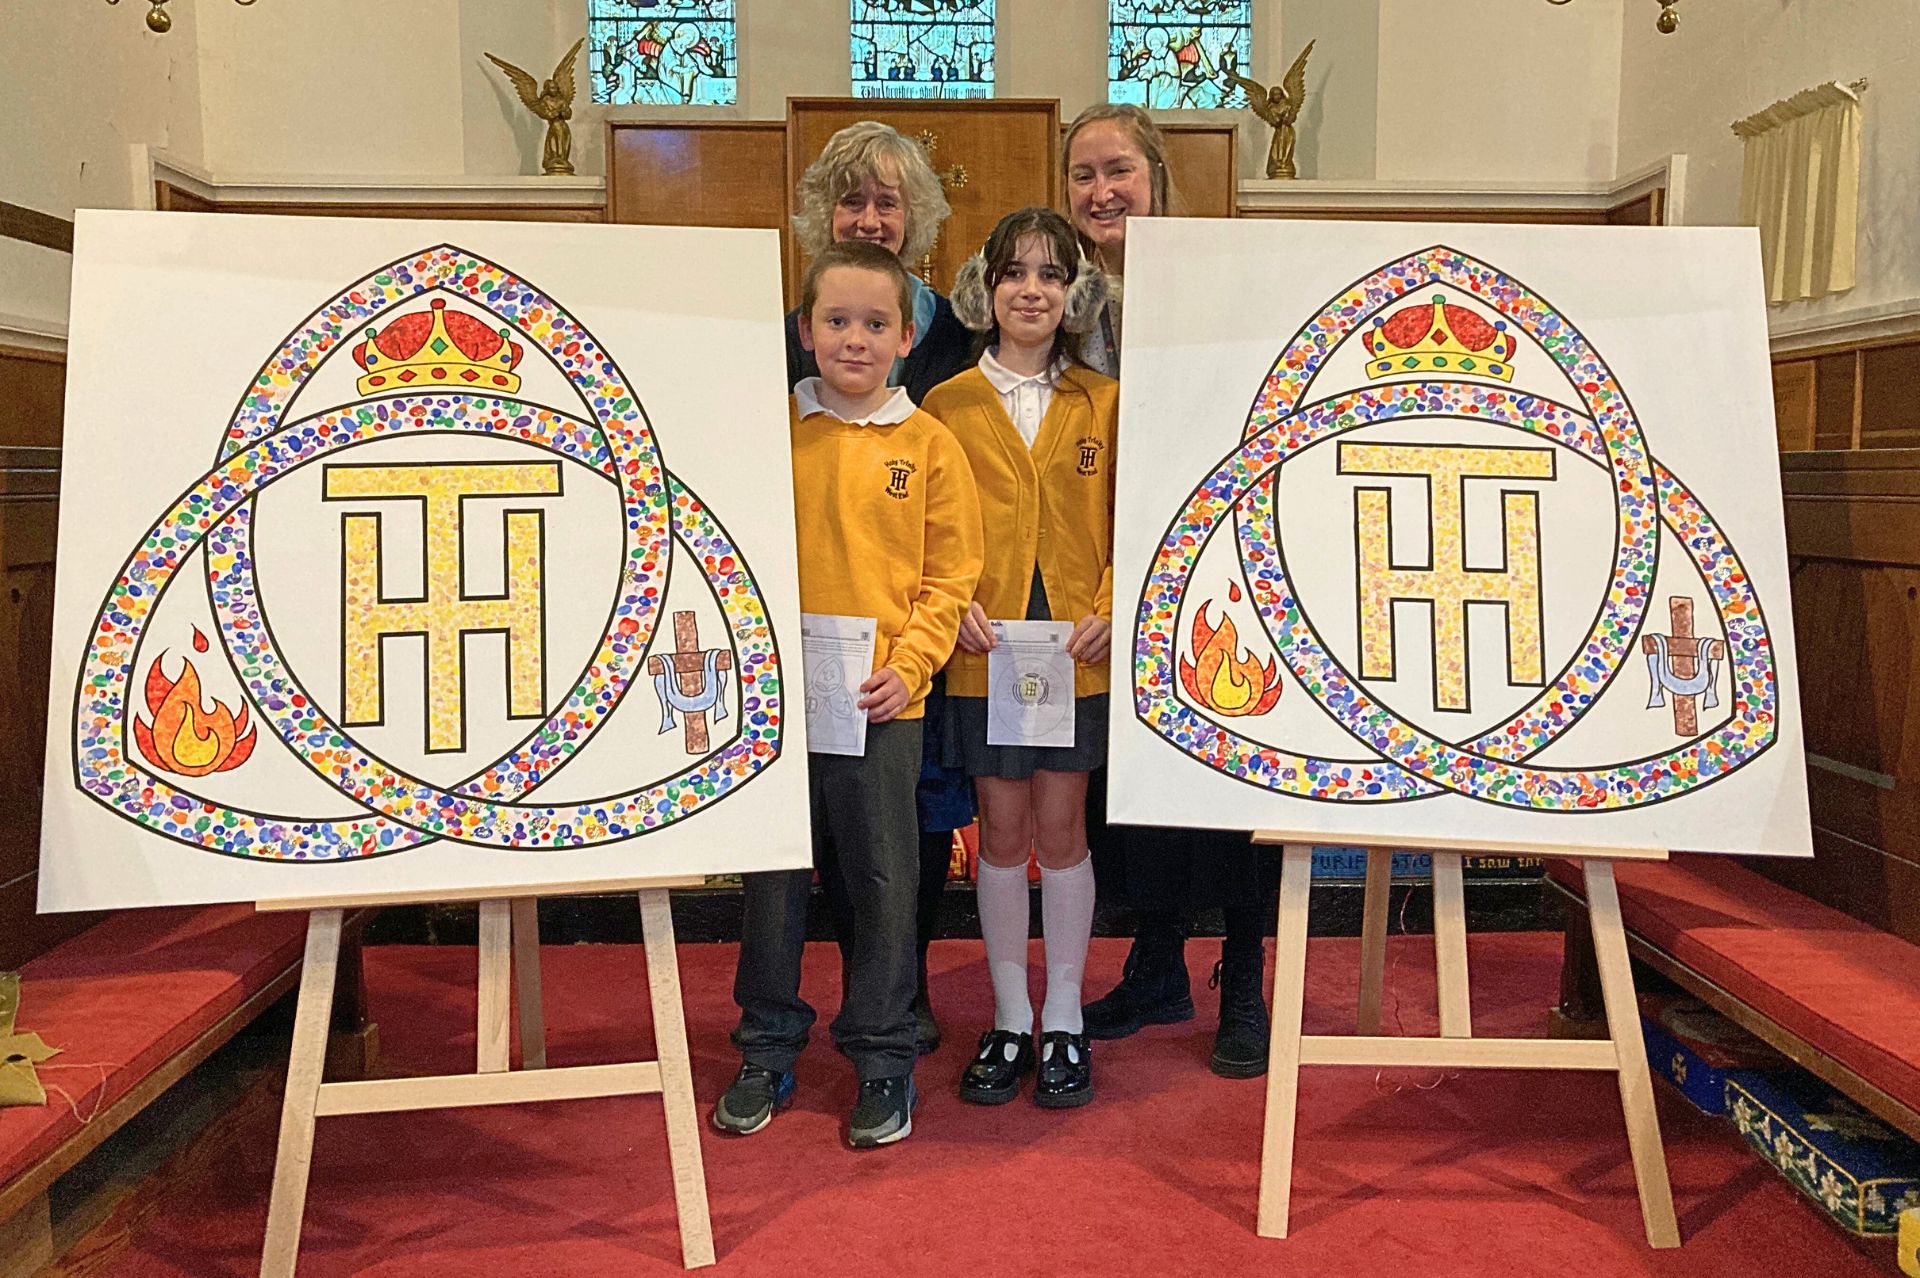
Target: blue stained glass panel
[
  {"x": 663, "y": 52},
  {"x": 1178, "y": 53},
  {"x": 922, "y": 48}
]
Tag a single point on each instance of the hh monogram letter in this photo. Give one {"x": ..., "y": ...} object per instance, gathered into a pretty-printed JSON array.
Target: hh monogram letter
[
  {"x": 445, "y": 613},
  {"x": 1446, "y": 583}
]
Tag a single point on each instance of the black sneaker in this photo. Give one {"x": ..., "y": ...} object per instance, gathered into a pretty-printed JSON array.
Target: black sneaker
[
  {"x": 1153, "y": 990},
  {"x": 752, "y": 1100},
  {"x": 884, "y": 1113},
  {"x": 1240, "y": 1046}
]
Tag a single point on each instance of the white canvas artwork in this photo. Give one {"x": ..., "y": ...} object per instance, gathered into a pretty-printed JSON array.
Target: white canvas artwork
[
  {"x": 1470, "y": 532},
  {"x": 405, "y": 556}
]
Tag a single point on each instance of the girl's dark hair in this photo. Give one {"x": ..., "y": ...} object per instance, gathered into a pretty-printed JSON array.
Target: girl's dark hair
[{"x": 1004, "y": 245}]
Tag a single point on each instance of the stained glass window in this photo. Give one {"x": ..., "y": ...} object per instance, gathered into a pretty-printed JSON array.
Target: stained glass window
[
  {"x": 1178, "y": 53},
  {"x": 663, "y": 52},
  {"x": 922, "y": 48}
]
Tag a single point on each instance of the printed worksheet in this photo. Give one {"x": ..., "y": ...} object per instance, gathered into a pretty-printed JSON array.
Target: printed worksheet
[
  {"x": 838, "y": 654},
  {"x": 1030, "y": 684}
]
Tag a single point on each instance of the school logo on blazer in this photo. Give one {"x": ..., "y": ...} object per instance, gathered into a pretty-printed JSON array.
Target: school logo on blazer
[
  {"x": 898, "y": 471},
  {"x": 1090, "y": 449}
]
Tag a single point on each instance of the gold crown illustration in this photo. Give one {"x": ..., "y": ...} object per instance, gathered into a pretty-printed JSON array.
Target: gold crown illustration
[
  {"x": 438, "y": 347},
  {"x": 1441, "y": 338}
]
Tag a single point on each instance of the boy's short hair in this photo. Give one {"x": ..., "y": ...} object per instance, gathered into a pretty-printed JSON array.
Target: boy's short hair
[{"x": 863, "y": 255}]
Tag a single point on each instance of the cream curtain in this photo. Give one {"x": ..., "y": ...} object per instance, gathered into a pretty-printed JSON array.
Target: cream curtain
[{"x": 1801, "y": 187}]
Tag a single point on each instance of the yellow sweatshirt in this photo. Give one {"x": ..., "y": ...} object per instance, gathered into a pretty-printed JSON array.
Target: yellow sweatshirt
[
  {"x": 1051, "y": 505},
  {"x": 889, "y": 527}
]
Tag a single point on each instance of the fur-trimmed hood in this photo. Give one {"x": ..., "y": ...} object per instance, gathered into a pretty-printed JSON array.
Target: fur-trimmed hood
[{"x": 973, "y": 300}]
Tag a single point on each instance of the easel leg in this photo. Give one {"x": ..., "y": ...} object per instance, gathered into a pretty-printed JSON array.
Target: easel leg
[
  {"x": 1636, "y": 1087},
  {"x": 306, "y": 1065},
  {"x": 526, "y": 982},
  {"x": 496, "y": 995},
  {"x": 1373, "y": 937},
  {"x": 1450, "y": 946},
  {"x": 676, "y": 1080},
  {"x": 1283, "y": 1054}
]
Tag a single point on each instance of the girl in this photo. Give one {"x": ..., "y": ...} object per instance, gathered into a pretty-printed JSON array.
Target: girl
[
  {"x": 1038, "y": 430},
  {"x": 1114, "y": 162}
]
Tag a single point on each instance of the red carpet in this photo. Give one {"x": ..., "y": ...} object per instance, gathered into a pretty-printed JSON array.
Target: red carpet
[{"x": 1505, "y": 1174}]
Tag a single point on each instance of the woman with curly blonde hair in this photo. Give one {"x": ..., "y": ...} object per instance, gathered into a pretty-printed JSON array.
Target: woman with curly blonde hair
[{"x": 872, "y": 183}]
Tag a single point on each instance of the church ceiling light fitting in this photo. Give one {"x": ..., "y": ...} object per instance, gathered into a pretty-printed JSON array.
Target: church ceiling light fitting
[
  {"x": 159, "y": 21},
  {"x": 1667, "y": 23}
]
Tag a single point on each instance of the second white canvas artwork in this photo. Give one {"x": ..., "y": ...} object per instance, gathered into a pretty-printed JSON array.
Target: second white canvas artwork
[{"x": 1464, "y": 532}]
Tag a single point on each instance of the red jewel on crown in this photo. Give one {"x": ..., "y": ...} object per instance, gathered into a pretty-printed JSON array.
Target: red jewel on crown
[
  {"x": 438, "y": 347},
  {"x": 1441, "y": 337}
]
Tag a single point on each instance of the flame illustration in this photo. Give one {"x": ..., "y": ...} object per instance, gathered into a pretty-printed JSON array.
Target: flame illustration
[
  {"x": 185, "y": 737},
  {"x": 1220, "y": 678}
]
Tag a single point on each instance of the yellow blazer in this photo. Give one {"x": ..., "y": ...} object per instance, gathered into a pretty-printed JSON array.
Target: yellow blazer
[
  {"x": 887, "y": 528},
  {"x": 1050, "y": 505}
]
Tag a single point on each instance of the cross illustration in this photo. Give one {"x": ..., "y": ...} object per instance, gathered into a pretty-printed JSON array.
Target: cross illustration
[
  {"x": 1684, "y": 652},
  {"x": 689, "y": 667}
]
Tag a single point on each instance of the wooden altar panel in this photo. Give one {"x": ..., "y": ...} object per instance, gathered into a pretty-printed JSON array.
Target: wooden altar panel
[
  {"x": 697, "y": 173},
  {"x": 1853, "y": 540},
  {"x": 1006, "y": 147},
  {"x": 32, "y": 392}
]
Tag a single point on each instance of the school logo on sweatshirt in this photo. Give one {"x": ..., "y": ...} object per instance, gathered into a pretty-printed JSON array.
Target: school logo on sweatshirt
[
  {"x": 1090, "y": 449},
  {"x": 898, "y": 471}
]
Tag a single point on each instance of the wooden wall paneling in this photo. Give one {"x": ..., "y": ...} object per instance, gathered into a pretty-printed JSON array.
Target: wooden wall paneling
[
  {"x": 35, "y": 227},
  {"x": 1853, "y": 539},
  {"x": 1204, "y": 161},
  {"x": 1833, "y": 398},
  {"x": 1890, "y": 396},
  {"x": 1793, "y": 404},
  {"x": 1645, "y": 210},
  {"x": 168, "y": 198},
  {"x": 1007, "y": 148},
  {"x": 700, "y": 173},
  {"x": 32, "y": 390}
]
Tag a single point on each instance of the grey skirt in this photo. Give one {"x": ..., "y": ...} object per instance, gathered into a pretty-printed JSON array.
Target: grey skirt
[{"x": 964, "y": 742}]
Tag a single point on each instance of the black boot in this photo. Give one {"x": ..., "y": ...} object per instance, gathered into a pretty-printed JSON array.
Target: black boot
[
  {"x": 1153, "y": 989},
  {"x": 1240, "y": 1046}
]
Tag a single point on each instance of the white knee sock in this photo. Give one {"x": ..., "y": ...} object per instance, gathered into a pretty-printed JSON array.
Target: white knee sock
[
  {"x": 1066, "y": 920},
  {"x": 1005, "y": 917}
]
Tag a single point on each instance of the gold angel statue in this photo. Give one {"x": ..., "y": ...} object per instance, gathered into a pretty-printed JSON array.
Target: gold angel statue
[
  {"x": 551, "y": 101},
  {"x": 1279, "y": 107}
]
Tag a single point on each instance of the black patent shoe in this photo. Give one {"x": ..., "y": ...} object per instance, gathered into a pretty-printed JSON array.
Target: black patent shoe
[
  {"x": 993, "y": 1076},
  {"x": 1065, "y": 1077}
]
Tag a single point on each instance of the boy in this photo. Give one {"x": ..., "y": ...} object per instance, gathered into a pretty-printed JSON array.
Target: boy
[{"x": 889, "y": 528}]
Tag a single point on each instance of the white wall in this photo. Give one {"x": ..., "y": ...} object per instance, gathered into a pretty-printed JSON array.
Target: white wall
[
  {"x": 421, "y": 99},
  {"x": 1502, "y": 90},
  {"x": 79, "y": 83},
  {"x": 1680, "y": 93}
]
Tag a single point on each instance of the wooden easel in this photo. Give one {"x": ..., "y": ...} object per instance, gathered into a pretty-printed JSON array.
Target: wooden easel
[
  {"x": 509, "y": 958},
  {"x": 1622, "y": 1053}
]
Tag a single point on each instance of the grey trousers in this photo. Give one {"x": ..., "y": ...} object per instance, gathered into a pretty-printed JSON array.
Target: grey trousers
[{"x": 866, "y": 831}]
